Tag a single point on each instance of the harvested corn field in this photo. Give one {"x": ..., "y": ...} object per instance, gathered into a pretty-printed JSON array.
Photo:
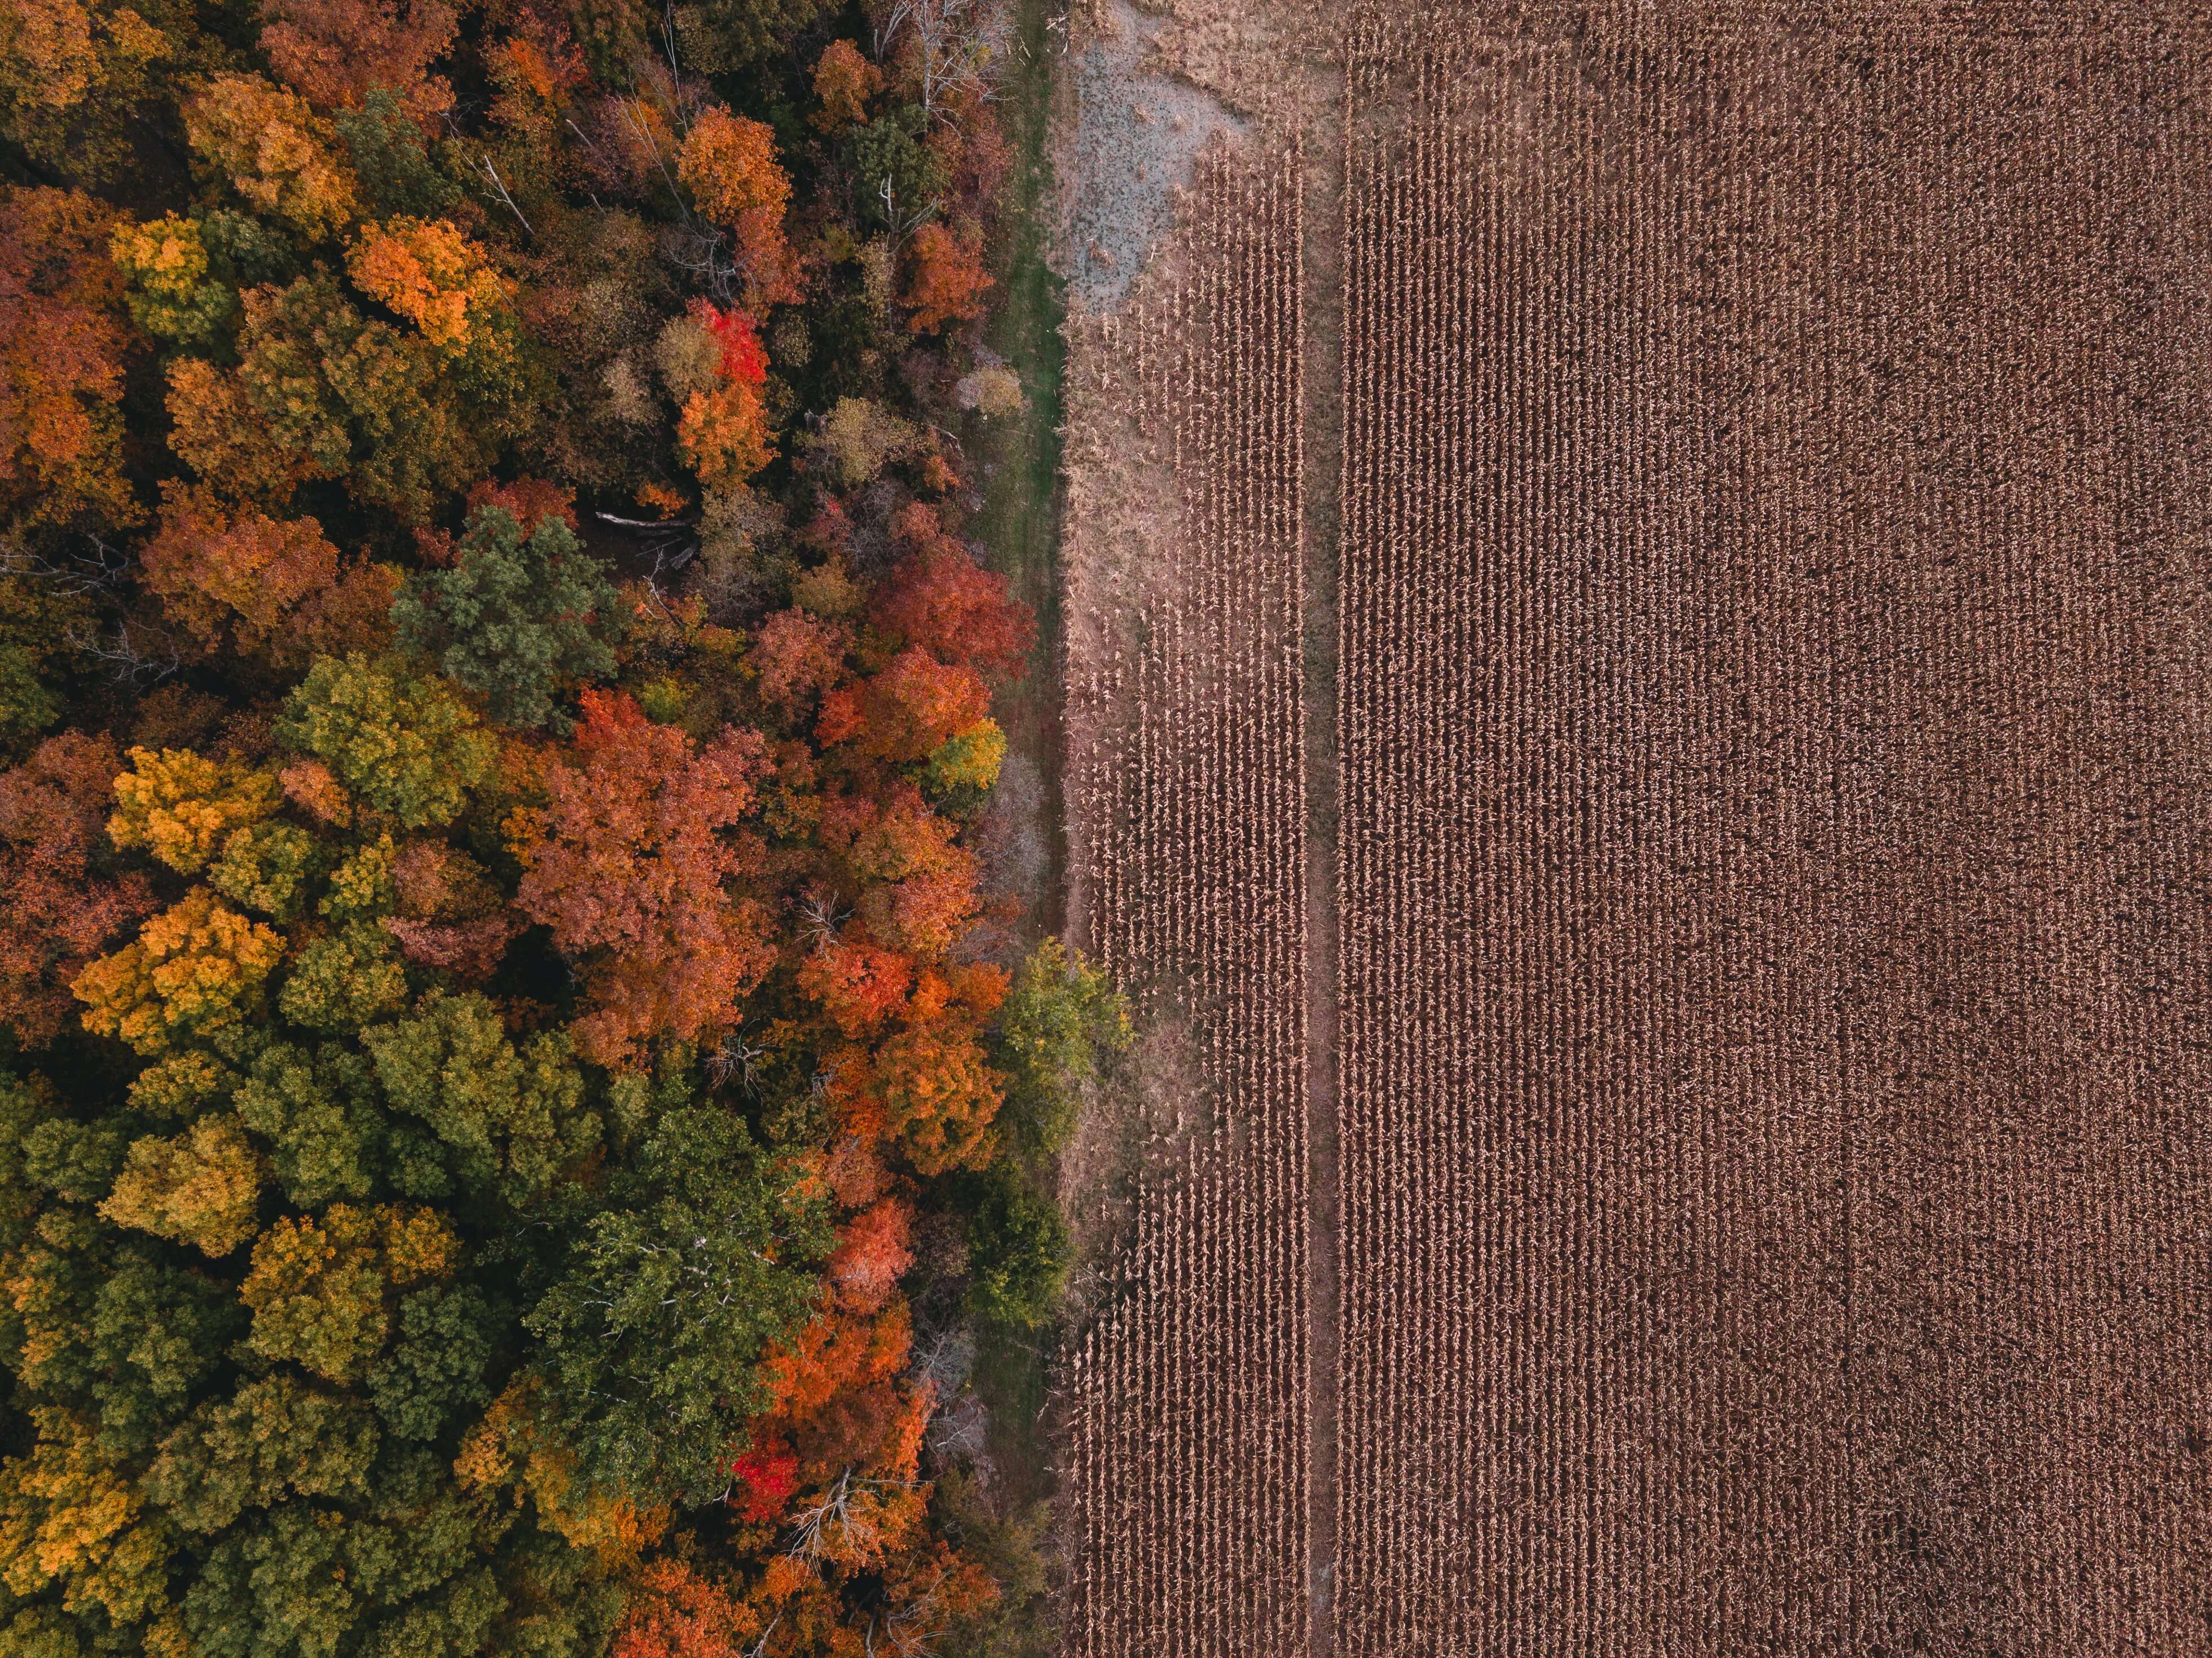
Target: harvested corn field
[
  {"x": 1754, "y": 1158},
  {"x": 1187, "y": 1469}
]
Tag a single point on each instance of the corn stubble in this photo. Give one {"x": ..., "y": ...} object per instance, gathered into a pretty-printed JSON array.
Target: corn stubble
[
  {"x": 1773, "y": 858},
  {"x": 1187, "y": 1442}
]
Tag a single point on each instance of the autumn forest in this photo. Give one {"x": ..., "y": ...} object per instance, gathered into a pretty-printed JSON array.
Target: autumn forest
[{"x": 520, "y": 1098}]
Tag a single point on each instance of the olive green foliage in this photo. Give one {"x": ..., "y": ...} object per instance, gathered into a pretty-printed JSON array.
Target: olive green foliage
[
  {"x": 1062, "y": 1024},
  {"x": 1019, "y": 1248},
  {"x": 373, "y": 403},
  {"x": 510, "y": 1118},
  {"x": 1013, "y": 1548},
  {"x": 343, "y": 981},
  {"x": 519, "y": 619},
  {"x": 252, "y": 1450},
  {"x": 901, "y": 180},
  {"x": 39, "y": 626},
  {"x": 392, "y": 164},
  {"x": 652, "y": 1334},
  {"x": 722, "y": 35},
  {"x": 403, "y": 744},
  {"x": 434, "y": 1372},
  {"x": 265, "y": 867},
  {"x": 190, "y": 299}
]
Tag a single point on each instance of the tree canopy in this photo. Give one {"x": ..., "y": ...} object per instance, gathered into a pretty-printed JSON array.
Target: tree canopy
[{"x": 502, "y": 1091}]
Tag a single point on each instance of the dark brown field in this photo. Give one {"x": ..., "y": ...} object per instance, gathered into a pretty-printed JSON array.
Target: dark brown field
[{"x": 1764, "y": 1146}]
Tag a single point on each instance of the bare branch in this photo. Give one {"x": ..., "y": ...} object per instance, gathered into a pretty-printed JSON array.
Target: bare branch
[{"x": 499, "y": 184}]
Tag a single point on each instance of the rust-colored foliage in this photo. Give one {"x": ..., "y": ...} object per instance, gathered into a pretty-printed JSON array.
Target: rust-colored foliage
[
  {"x": 61, "y": 370},
  {"x": 946, "y": 279},
  {"x": 837, "y": 1352},
  {"x": 939, "y": 1095},
  {"x": 677, "y": 1613},
  {"x": 844, "y": 79},
  {"x": 244, "y": 575},
  {"x": 56, "y": 912},
  {"x": 334, "y": 52},
  {"x": 859, "y": 985},
  {"x": 938, "y": 598},
  {"x": 642, "y": 864},
  {"x": 916, "y": 883},
  {"x": 871, "y": 1255},
  {"x": 532, "y": 500},
  {"x": 908, "y": 710},
  {"x": 215, "y": 428},
  {"x": 797, "y": 656},
  {"x": 451, "y": 914},
  {"x": 264, "y": 586}
]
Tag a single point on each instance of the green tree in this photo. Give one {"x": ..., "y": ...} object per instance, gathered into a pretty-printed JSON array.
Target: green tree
[
  {"x": 392, "y": 165},
  {"x": 442, "y": 1343},
  {"x": 1017, "y": 1248},
  {"x": 345, "y": 982},
  {"x": 654, "y": 1333},
  {"x": 901, "y": 180},
  {"x": 1062, "y": 1022},
  {"x": 720, "y": 36},
  {"x": 158, "y": 1332},
  {"x": 185, "y": 273},
  {"x": 39, "y": 628},
  {"x": 519, "y": 618},
  {"x": 511, "y": 1119},
  {"x": 318, "y": 1115},
  {"x": 401, "y": 743},
  {"x": 270, "y": 1439}
]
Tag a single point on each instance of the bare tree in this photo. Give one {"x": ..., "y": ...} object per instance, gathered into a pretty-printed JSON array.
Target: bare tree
[
  {"x": 958, "y": 45},
  {"x": 95, "y": 568},
  {"x": 819, "y": 918}
]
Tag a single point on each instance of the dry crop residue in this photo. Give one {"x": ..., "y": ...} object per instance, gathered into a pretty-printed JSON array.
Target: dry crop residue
[
  {"x": 1774, "y": 849},
  {"x": 1188, "y": 1399}
]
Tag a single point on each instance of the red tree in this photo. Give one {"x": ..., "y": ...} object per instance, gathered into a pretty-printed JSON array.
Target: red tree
[
  {"x": 797, "y": 656},
  {"x": 905, "y": 712},
  {"x": 859, "y": 984},
  {"x": 61, "y": 360},
  {"x": 938, "y": 600},
  {"x": 335, "y": 52},
  {"x": 56, "y": 913},
  {"x": 641, "y": 864},
  {"x": 915, "y": 882}
]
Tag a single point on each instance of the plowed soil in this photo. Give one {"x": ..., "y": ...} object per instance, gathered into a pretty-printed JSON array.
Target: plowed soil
[{"x": 1752, "y": 1173}]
